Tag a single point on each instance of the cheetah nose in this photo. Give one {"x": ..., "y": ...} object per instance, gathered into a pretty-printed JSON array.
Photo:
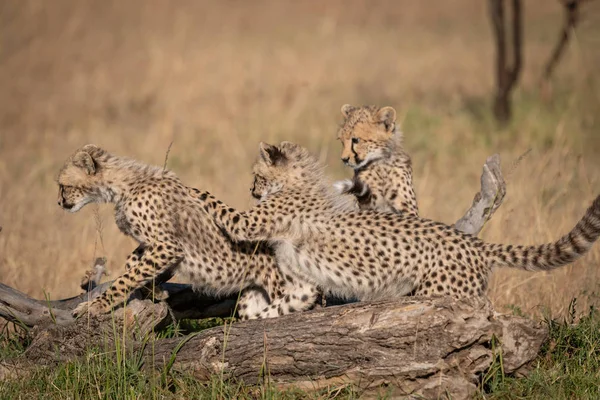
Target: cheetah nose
[{"x": 345, "y": 160}]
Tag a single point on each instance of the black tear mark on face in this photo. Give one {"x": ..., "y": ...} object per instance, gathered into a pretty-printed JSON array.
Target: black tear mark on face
[
  {"x": 357, "y": 159},
  {"x": 257, "y": 187},
  {"x": 63, "y": 192}
]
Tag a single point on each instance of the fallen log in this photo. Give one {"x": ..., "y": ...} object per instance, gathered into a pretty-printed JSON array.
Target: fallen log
[
  {"x": 413, "y": 346},
  {"x": 182, "y": 301}
]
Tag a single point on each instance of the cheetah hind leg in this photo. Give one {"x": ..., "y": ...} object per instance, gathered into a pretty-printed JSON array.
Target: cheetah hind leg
[{"x": 298, "y": 297}]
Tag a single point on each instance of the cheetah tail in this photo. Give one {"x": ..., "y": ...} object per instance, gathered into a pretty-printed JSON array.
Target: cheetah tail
[{"x": 552, "y": 255}]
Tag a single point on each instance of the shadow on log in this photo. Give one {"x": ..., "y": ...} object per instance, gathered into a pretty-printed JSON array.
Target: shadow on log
[
  {"x": 181, "y": 300},
  {"x": 414, "y": 346}
]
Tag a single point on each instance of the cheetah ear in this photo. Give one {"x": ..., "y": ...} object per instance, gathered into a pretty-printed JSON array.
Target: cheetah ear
[
  {"x": 84, "y": 161},
  {"x": 93, "y": 150},
  {"x": 288, "y": 146},
  {"x": 347, "y": 109},
  {"x": 90, "y": 148},
  {"x": 270, "y": 154},
  {"x": 387, "y": 117}
]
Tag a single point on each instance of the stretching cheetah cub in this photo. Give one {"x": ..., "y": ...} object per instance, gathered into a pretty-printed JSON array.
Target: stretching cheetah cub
[
  {"x": 372, "y": 255},
  {"x": 174, "y": 233},
  {"x": 372, "y": 146}
]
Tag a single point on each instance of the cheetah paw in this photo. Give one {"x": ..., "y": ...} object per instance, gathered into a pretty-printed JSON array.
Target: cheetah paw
[{"x": 86, "y": 307}]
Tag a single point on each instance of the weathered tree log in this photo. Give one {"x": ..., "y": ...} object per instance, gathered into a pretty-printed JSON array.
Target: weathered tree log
[
  {"x": 183, "y": 302},
  {"x": 413, "y": 346}
]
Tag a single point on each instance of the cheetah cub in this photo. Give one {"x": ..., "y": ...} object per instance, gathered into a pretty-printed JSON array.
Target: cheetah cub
[
  {"x": 372, "y": 146},
  {"x": 174, "y": 233},
  {"x": 373, "y": 255}
]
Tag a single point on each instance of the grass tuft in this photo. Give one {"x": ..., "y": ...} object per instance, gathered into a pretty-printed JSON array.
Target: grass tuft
[{"x": 568, "y": 366}]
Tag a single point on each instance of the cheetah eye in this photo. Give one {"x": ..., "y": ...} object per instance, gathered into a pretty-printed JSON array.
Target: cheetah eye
[
  {"x": 258, "y": 179},
  {"x": 355, "y": 140}
]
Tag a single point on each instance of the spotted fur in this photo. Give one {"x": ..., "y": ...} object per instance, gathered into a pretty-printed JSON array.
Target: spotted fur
[
  {"x": 372, "y": 146},
  {"x": 372, "y": 255},
  {"x": 174, "y": 233}
]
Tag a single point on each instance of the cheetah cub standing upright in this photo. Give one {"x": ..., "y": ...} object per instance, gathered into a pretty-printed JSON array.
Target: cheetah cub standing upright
[
  {"x": 174, "y": 233},
  {"x": 373, "y": 255},
  {"x": 372, "y": 146}
]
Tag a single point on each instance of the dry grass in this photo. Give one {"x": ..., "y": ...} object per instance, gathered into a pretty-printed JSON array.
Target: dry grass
[{"x": 217, "y": 77}]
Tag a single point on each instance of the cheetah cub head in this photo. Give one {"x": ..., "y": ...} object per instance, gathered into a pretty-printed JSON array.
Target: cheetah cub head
[
  {"x": 366, "y": 134},
  {"x": 79, "y": 178},
  {"x": 285, "y": 166}
]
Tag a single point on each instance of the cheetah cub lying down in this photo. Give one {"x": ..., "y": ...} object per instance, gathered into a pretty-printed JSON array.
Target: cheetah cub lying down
[
  {"x": 373, "y": 255},
  {"x": 372, "y": 146},
  {"x": 174, "y": 233}
]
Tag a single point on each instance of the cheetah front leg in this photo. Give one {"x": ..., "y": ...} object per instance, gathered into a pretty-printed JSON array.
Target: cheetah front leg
[
  {"x": 402, "y": 200},
  {"x": 253, "y": 225},
  {"x": 134, "y": 257},
  {"x": 142, "y": 268}
]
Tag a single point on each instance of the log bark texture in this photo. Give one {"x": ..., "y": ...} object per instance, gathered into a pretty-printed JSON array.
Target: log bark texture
[{"x": 414, "y": 346}]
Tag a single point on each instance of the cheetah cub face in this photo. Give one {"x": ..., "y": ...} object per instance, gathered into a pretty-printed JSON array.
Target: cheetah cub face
[
  {"x": 77, "y": 184},
  {"x": 279, "y": 167},
  {"x": 365, "y": 134}
]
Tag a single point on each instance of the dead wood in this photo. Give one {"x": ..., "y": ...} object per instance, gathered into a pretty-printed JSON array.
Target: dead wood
[
  {"x": 413, "y": 346},
  {"x": 571, "y": 18},
  {"x": 507, "y": 73},
  {"x": 487, "y": 200},
  {"x": 182, "y": 302}
]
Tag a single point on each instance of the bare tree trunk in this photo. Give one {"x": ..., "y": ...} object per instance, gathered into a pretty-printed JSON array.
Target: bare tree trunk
[
  {"x": 506, "y": 76},
  {"x": 414, "y": 346},
  {"x": 571, "y": 18}
]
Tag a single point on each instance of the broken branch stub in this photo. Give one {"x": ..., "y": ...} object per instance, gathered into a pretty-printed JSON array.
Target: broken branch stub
[{"x": 487, "y": 200}]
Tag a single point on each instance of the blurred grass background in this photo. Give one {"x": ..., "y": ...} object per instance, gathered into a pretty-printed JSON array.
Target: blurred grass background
[{"x": 217, "y": 77}]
